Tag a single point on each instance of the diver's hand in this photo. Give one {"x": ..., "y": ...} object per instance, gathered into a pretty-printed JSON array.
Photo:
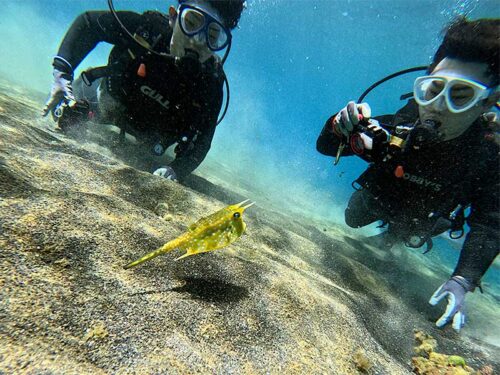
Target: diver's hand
[
  {"x": 166, "y": 172},
  {"x": 350, "y": 116},
  {"x": 61, "y": 92},
  {"x": 454, "y": 290}
]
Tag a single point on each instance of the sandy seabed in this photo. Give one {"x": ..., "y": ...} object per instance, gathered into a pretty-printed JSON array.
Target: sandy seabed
[{"x": 294, "y": 295}]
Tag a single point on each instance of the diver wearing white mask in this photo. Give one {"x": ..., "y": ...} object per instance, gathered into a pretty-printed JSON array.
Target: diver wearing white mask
[
  {"x": 433, "y": 159},
  {"x": 163, "y": 82}
]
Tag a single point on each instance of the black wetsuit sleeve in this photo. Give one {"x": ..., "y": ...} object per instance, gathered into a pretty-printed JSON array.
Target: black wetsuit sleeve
[
  {"x": 91, "y": 28},
  {"x": 186, "y": 161},
  {"x": 328, "y": 142},
  {"x": 482, "y": 243}
]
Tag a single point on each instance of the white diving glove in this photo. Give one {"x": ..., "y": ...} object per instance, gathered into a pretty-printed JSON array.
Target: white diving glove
[
  {"x": 61, "y": 92},
  {"x": 166, "y": 172},
  {"x": 454, "y": 290},
  {"x": 350, "y": 116}
]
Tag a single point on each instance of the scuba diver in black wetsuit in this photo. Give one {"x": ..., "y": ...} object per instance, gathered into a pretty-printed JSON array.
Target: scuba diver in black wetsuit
[
  {"x": 434, "y": 158},
  {"x": 163, "y": 84}
]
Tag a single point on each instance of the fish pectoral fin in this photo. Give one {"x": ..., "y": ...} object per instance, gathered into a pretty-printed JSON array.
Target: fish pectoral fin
[
  {"x": 185, "y": 255},
  {"x": 190, "y": 252}
]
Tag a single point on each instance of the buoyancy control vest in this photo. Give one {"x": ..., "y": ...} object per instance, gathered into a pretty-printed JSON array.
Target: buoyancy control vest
[
  {"x": 419, "y": 186},
  {"x": 159, "y": 94}
]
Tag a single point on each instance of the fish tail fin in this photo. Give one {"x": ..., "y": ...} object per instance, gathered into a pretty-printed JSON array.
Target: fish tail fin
[{"x": 162, "y": 250}]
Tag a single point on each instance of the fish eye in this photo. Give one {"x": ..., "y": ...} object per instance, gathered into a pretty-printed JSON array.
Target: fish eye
[{"x": 236, "y": 215}]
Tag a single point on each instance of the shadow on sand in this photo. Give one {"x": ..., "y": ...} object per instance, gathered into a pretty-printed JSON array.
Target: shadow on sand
[{"x": 212, "y": 290}]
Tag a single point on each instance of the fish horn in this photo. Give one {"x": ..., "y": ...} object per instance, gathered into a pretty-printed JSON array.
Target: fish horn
[
  {"x": 248, "y": 205},
  {"x": 239, "y": 204}
]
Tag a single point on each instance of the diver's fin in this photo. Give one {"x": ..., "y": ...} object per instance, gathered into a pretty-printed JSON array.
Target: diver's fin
[{"x": 162, "y": 250}]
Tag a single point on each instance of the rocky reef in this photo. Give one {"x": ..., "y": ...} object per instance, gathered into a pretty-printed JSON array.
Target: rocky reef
[{"x": 293, "y": 295}]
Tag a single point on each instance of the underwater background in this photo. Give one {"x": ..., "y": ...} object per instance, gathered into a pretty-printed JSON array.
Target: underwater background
[{"x": 292, "y": 65}]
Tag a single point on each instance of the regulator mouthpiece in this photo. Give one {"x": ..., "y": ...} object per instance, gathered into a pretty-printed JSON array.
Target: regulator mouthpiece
[
  {"x": 190, "y": 63},
  {"x": 424, "y": 134}
]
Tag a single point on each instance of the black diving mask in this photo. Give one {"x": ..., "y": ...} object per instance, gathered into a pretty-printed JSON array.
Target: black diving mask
[{"x": 195, "y": 21}]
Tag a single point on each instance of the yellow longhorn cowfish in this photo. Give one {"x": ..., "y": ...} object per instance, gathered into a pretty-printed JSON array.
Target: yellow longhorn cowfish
[{"x": 207, "y": 234}]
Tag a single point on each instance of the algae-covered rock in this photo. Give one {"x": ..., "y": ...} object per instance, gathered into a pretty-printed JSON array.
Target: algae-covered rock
[
  {"x": 429, "y": 362},
  {"x": 439, "y": 358},
  {"x": 456, "y": 360},
  {"x": 486, "y": 370},
  {"x": 427, "y": 344}
]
